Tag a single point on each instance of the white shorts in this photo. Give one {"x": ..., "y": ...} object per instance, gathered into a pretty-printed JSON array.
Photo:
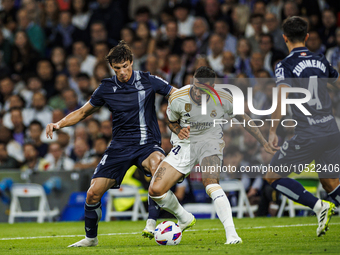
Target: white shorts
[{"x": 184, "y": 156}]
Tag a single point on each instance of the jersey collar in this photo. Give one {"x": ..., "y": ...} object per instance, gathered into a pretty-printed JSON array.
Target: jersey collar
[
  {"x": 299, "y": 49},
  {"x": 129, "y": 82}
]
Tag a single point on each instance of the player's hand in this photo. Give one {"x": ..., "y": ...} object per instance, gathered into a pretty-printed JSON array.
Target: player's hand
[
  {"x": 50, "y": 128},
  {"x": 184, "y": 133},
  {"x": 269, "y": 149},
  {"x": 273, "y": 141}
]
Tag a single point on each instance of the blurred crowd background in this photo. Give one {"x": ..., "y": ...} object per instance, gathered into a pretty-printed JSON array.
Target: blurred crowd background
[{"x": 52, "y": 59}]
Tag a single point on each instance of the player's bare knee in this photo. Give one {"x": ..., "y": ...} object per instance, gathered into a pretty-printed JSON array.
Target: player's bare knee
[
  {"x": 92, "y": 197},
  {"x": 329, "y": 184},
  {"x": 156, "y": 190}
]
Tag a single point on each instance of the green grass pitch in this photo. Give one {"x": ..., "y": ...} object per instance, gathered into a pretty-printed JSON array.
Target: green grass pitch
[{"x": 260, "y": 236}]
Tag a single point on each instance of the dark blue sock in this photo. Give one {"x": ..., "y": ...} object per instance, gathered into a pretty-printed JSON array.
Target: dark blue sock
[
  {"x": 295, "y": 191},
  {"x": 154, "y": 209},
  {"x": 93, "y": 213},
  {"x": 335, "y": 194}
]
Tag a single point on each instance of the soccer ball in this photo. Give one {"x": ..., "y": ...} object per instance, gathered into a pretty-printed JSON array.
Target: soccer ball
[{"x": 168, "y": 233}]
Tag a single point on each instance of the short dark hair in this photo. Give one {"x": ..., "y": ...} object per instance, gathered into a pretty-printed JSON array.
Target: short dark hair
[
  {"x": 203, "y": 73},
  {"x": 295, "y": 28},
  {"x": 36, "y": 122},
  {"x": 120, "y": 53}
]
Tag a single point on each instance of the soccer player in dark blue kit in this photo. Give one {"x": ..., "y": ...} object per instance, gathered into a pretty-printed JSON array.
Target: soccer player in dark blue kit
[
  {"x": 136, "y": 139},
  {"x": 317, "y": 136}
]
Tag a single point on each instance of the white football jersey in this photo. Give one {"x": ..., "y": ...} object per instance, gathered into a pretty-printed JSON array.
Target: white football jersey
[{"x": 183, "y": 108}]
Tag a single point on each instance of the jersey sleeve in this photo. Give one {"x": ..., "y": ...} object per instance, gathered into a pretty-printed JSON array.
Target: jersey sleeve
[
  {"x": 172, "y": 111},
  {"x": 283, "y": 75},
  {"x": 333, "y": 74},
  {"x": 159, "y": 85},
  {"x": 97, "y": 99}
]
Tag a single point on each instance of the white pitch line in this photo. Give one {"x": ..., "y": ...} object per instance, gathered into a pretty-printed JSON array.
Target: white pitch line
[{"x": 136, "y": 233}]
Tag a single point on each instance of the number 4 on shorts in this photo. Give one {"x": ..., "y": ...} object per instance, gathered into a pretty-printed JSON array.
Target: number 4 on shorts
[
  {"x": 176, "y": 149},
  {"x": 103, "y": 160}
]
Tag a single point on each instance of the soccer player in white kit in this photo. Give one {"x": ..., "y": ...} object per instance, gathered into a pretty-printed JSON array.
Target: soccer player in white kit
[{"x": 205, "y": 146}]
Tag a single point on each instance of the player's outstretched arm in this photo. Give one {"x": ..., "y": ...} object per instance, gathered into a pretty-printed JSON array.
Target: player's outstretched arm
[
  {"x": 175, "y": 127},
  {"x": 254, "y": 131},
  {"x": 71, "y": 119}
]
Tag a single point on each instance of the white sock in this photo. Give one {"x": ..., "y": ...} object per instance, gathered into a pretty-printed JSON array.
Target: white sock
[
  {"x": 223, "y": 209},
  {"x": 317, "y": 206},
  {"x": 169, "y": 202},
  {"x": 151, "y": 224}
]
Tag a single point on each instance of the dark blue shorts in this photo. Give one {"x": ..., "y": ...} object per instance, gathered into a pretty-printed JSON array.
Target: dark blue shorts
[
  {"x": 297, "y": 153},
  {"x": 116, "y": 161}
]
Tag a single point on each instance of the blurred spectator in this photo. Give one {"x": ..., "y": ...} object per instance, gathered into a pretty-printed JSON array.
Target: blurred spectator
[
  {"x": 176, "y": 71},
  {"x": 84, "y": 159},
  {"x": 34, "y": 32},
  {"x": 84, "y": 85},
  {"x": 57, "y": 160},
  {"x": 100, "y": 50},
  {"x": 143, "y": 15},
  {"x": 256, "y": 64},
  {"x": 87, "y": 60},
  {"x": 6, "y": 161},
  {"x": 314, "y": 43},
  {"x": 19, "y": 129},
  {"x": 143, "y": 32},
  {"x": 24, "y": 56},
  {"x": 32, "y": 160},
  {"x": 201, "y": 33},
  {"x": 139, "y": 49},
  {"x": 189, "y": 54},
  {"x": 333, "y": 54},
  {"x": 242, "y": 62},
  {"x": 228, "y": 61},
  {"x": 5, "y": 51},
  {"x": 6, "y": 90},
  {"x": 101, "y": 71},
  {"x": 15, "y": 101},
  {"x": 34, "y": 84},
  {"x": 49, "y": 19},
  {"x": 73, "y": 69},
  {"x": 256, "y": 21},
  {"x": 154, "y": 7},
  {"x": 128, "y": 35},
  {"x": 35, "y": 132},
  {"x": 8, "y": 16},
  {"x": 112, "y": 15},
  {"x": 269, "y": 52},
  {"x": 162, "y": 53},
  {"x": 274, "y": 7},
  {"x": 172, "y": 36},
  {"x": 230, "y": 42},
  {"x": 99, "y": 148},
  {"x": 212, "y": 12},
  {"x": 185, "y": 21},
  {"x": 274, "y": 30},
  {"x": 13, "y": 148},
  {"x": 201, "y": 60},
  {"x": 98, "y": 33},
  {"x": 71, "y": 101},
  {"x": 152, "y": 66},
  {"x": 240, "y": 16},
  {"x": 216, "y": 44},
  {"x": 93, "y": 129},
  {"x": 327, "y": 32},
  {"x": 66, "y": 33},
  {"x": 290, "y": 9},
  {"x": 57, "y": 101},
  {"x": 58, "y": 58},
  {"x": 45, "y": 72},
  {"x": 39, "y": 111},
  {"x": 80, "y": 13},
  {"x": 106, "y": 129}
]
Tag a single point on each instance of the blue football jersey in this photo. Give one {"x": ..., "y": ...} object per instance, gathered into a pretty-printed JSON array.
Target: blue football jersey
[
  {"x": 304, "y": 69},
  {"x": 132, "y": 104}
]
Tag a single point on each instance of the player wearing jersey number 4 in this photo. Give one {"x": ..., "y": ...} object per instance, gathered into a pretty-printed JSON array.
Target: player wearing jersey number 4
[
  {"x": 317, "y": 135},
  {"x": 197, "y": 140},
  {"x": 136, "y": 139}
]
